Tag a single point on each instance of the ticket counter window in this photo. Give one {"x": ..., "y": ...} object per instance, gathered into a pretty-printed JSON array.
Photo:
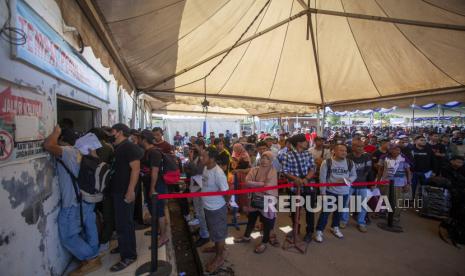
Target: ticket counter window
[{"x": 78, "y": 116}]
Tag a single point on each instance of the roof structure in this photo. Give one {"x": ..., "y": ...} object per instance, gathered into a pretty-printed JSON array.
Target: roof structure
[{"x": 256, "y": 54}]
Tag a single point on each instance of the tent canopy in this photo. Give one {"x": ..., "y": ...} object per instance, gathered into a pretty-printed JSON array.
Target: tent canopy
[{"x": 254, "y": 53}]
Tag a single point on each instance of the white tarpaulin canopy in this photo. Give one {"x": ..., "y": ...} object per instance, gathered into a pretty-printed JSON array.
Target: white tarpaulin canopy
[{"x": 386, "y": 51}]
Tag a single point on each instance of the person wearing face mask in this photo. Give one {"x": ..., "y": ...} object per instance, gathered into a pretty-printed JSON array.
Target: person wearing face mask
[
  {"x": 84, "y": 247},
  {"x": 136, "y": 139},
  {"x": 124, "y": 178}
]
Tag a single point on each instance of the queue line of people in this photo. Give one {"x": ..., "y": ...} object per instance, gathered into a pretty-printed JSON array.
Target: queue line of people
[{"x": 137, "y": 160}]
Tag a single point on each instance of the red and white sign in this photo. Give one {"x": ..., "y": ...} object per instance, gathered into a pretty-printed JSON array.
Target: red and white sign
[
  {"x": 6, "y": 145},
  {"x": 10, "y": 104}
]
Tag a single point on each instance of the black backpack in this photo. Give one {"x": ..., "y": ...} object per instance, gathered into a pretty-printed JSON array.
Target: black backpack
[{"x": 91, "y": 180}]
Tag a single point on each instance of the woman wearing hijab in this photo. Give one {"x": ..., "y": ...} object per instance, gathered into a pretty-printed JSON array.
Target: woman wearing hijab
[
  {"x": 262, "y": 176},
  {"x": 241, "y": 166},
  {"x": 241, "y": 158},
  {"x": 395, "y": 167}
]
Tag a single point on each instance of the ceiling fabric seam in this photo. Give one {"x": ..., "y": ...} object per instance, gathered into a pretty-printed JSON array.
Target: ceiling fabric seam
[
  {"x": 144, "y": 14},
  {"x": 246, "y": 49},
  {"x": 418, "y": 49},
  {"x": 281, "y": 52},
  {"x": 229, "y": 51},
  {"x": 442, "y": 8},
  {"x": 302, "y": 13},
  {"x": 360, "y": 51},
  {"x": 184, "y": 36}
]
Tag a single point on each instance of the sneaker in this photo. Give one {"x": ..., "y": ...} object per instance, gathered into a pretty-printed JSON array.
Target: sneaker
[
  {"x": 87, "y": 267},
  {"x": 188, "y": 218},
  {"x": 336, "y": 232},
  {"x": 194, "y": 222},
  {"x": 319, "y": 236},
  {"x": 202, "y": 241},
  {"x": 362, "y": 228},
  {"x": 104, "y": 247},
  {"x": 342, "y": 225}
]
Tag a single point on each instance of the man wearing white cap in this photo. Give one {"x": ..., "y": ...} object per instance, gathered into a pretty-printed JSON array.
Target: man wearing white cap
[{"x": 69, "y": 151}]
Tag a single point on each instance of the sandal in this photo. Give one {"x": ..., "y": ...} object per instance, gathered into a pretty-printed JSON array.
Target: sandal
[
  {"x": 122, "y": 264},
  {"x": 243, "y": 240},
  {"x": 274, "y": 241},
  {"x": 260, "y": 248},
  {"x": 214, "y": 265}
]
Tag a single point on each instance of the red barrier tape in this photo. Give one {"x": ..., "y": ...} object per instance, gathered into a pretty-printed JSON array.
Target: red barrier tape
[{"x": 263, "y": 189}]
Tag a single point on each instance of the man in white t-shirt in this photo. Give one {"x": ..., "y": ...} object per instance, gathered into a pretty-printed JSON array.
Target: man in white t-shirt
[{"x": 214, "y": 180}]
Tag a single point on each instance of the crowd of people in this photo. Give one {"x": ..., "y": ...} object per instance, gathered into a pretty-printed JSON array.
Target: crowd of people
[{"x": 138, "y": 159}]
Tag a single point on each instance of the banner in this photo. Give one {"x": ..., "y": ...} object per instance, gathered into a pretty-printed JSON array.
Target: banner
[
  {"x": 24, "y": 118},
  {"x": 47, "y": 50}
]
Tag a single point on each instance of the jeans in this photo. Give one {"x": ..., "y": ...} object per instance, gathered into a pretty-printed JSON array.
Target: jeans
[
  {"x": 359, "y": 192},
  {"x": 323, "y": 219},
  {"x": 81, "y": 244},
  {"x": 268, "y": 225},
  {"x": 124, "y": 218},
  {"x": 200, "y": 213}
]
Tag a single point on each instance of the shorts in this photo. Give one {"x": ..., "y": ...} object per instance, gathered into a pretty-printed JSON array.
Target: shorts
[{"x": 217, "y": 223}]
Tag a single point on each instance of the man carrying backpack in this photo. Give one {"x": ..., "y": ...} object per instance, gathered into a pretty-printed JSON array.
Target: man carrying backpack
[
  {"x": 152, "y": 180},
  {"x": 337, "y": 169},
  {"x": 124, "y": 178},
  {"x": 363, "y": 166},
  {"x": 77, "y": 227}
]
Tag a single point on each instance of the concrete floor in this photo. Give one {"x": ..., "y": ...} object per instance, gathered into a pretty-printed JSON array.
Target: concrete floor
[
  {"x": 143, "y": 243},
  {"x": 416, "y": 251}
]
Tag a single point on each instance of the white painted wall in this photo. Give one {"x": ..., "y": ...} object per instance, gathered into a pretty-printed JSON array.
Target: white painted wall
[{"x": 29, "y": 192}]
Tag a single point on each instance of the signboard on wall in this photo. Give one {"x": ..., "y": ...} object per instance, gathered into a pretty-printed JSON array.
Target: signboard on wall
[
  {"x": 23, "y": 123},
  {"x": 47, "y": 50}
]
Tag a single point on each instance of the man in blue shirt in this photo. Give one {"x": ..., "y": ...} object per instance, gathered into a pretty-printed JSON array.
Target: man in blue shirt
[
  {"x": 81, "y": 243},
  {"x": 299, "y": 168}
]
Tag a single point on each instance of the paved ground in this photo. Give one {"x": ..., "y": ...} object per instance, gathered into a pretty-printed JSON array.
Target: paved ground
[{"x": 417, "y": 251}]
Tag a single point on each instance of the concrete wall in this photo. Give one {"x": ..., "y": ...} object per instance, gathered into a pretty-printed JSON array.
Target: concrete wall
[{"x": 29, "y": 192}]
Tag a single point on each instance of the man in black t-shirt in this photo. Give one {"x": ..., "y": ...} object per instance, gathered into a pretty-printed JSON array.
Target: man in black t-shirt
[
  {"x": 152, "y": 179},
  {"x": 124, "y": 177},
  {"x": 423, "y": 164}
]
